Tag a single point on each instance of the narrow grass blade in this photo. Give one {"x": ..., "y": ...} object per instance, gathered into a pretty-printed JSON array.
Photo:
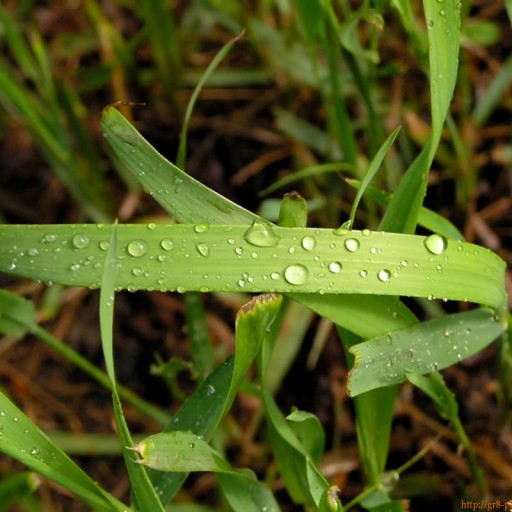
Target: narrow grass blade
[
  {"x": 424, "y": 348},
  {"x": 258, "y": 258},
  {"x": 144, "y": 494},
  {"x": 18, "y": 317},
  {"x": 25, "y": 442},
  {"x": 16, "y": 487},
  {"x": 372, "y": 171},
  {"x": 443, "y": 27},
  {"x": 435, "y": 387},
  {"x": 219, "y": 57},
  {"x": 426, "y": 218}
]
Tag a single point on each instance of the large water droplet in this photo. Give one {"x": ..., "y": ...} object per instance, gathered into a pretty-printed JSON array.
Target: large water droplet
[
  {"x": 296, "y": 274},
  {"x": 80, "y": 241},
  {"x": 203, "y": 250},
  {"x": 384, "y": 275},
  {"x": 352, "y": 244},
  {"x": 167, "y": 244},
  {"x": 308, "y": 243},
  {"x": 137, "y": 248},
  {"x": 436, "y": 244},
  {"x": 261, "y": 235},
  {"x": 335, "y": 267}
]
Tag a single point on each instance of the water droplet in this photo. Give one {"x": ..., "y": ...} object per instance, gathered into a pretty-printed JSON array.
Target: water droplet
[
  {"x": 104, "y": 245},
  {"x": 33, "y": 251},
  {"x": 48, "y": 239},
  {"x": 167, "y": 244},
  {"x": 137, "y": 248},
  {"x": 191, "y": 445},
  {"x": 430, "y": 23},
  {"x": 275, "y": 276},
  {"x": 210, "y": 390},
  {"x": 181, "y": 289},
  {"x": 203, "y": 250},
  {"x": 201, "y": 228},
  {"x": 352, "y": 244},
  {"x": 151, "y": 226},
  {"x": 384, "y": 275},
  {"x": 34, "y": 451},
  {"x": 296, "y": 274},
  {"x": 404, "y": 263},
  {"x": 16, "y": 419},
  {"x": 366, "y": 232},
  {"x": 308, "y": 243},
  {"x": 261, "y": 234},
  {"x": 80, "y": 241},
  {"x": 239, "y": 251},
  {"x": 363, "y": 273},
  {"x": 75, "y": 267},
  {"x": 335, "y": 267},
  {"x": 137, "y": 271},
  {"x": 436, "y": 244}
]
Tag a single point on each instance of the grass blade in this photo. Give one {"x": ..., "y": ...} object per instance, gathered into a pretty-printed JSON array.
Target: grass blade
[
  {"x": 144, "y": 494},
  {"x": 299, "y": 260},
  {"x": 424, "y": 348}
]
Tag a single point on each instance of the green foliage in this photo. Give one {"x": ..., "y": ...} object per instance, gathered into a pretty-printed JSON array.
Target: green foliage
[{"x": 353, "y": 278}]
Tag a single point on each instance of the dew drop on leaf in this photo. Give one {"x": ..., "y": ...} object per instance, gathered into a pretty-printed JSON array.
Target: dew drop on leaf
[
  {"x": 335, "y": 267},
  {"x": 308, "y": 243},
  {"x": 384, "y": 275},
  {"x": 167, "y": 244},
  {"x": 261, "y": 234},
  {"x": 203, "y": 250},
  {"x": 351, "y": 244},
  {"x": 137, "y": 248},
  {"x": 201, "y": 228},
  {"x": 296, "y": 274},
  {"x": 80, "y": 241},
  {"x": 104, "y": 245},
  {"x": 436, "y": 244}
]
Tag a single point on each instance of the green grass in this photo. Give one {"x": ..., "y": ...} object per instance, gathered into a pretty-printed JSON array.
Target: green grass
[{"x": 354, "y": 278}]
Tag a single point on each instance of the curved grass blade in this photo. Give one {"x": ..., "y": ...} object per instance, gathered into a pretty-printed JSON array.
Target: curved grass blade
[
  {"x": 424, "y": 348},
  {"x": 187, "y": 199},
  {"x": 258, "y": 258}
]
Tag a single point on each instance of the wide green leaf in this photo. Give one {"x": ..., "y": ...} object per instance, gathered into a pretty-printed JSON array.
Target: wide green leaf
[{"x": 258, "y": 258}]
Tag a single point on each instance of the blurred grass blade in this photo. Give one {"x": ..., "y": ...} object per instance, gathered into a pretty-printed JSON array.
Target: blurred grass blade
[
  {"x": 443, "y": 27},
  {"x": 372, "y": 171},
  {"x": 219, "y": 57},
  {"x": 435, "y": 387},
  {"x": 144, "y": 494},
  {"x": 424, "y": 348},
  {"x": 259, "y": 257},
  {"x": 182, "y": 196},
  {"x": 25, "y": 442},
  {"x": 16, "y": 487},
  {"x": 306, "y": 172},
  {"x": 16, "y": 314},
  {"x": 18, "y": 317}
]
